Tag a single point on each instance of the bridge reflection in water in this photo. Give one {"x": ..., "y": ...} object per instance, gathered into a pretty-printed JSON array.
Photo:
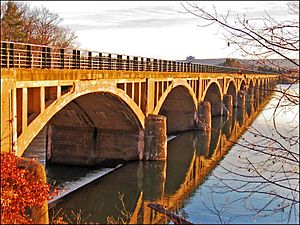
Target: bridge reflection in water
[{"x": 191, "y": 158}]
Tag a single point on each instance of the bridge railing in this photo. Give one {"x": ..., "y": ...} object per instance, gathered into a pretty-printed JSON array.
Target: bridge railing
[{"x": 22, "y": 55}]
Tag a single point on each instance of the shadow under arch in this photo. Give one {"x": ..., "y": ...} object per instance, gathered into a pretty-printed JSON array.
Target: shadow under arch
[
  {"x": 84, "y": 123},
  {"x": 256, "y": 95},
  {"x": 213, "y": 95},
  {"x": 261, "y": 91},
  {"x": 178, "y": 102},
  {"x": 231, "y": 90},
  {"x": 243, "y": 86},
  {"x": 250, "y": 91}
]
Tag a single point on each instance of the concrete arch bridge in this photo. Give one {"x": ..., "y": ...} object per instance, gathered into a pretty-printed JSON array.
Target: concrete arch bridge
[{"x": 101, "y": 106}]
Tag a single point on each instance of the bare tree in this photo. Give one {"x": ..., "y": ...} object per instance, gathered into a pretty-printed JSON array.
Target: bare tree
[
  {"x": 262, "y": 38},
  {"x": 20, "y": 23},
  {"x": 271, "y": 167}
]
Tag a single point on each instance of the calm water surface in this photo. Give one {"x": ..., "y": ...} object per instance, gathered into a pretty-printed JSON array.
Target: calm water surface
[{"x": 194, "y": 181}]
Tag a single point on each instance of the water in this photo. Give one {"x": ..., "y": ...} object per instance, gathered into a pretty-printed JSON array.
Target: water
[
  {"x": 199, "y": 177},
  {"x": 215, "y": 201}
]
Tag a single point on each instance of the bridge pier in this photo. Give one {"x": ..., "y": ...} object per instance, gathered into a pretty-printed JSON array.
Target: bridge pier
[{"x": 155, "y": 147}]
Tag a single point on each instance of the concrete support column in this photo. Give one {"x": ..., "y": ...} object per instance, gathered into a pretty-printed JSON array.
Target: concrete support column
[
  {"x": 155, "y": 137},
  {"x": 150, "y": 96},
  {"x": 58, "y": 92},
  {"x": 228, "y": 104},
  {"x": 24, "y": 109},
  {"x": 204, "y": 116},
  {"x": 42, "y": 99},
  {"x": 241, "y": 99}
]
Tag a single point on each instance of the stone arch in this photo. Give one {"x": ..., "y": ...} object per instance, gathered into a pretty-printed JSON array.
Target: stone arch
[
  {"x": 213, "y": 94},
  {"x": 178, "y": 101},
  {"x": 81, "y": 90}
]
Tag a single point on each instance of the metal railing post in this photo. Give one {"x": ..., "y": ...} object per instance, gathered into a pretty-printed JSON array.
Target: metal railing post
[
  {"x": 119, "y": 62},
  {"x": 4, "y": 55},
  {"x": 148, "y": 64},
  {"x": 74, "y": 59},
  {"x": 28, "y": 56},
  {"x": 142, "y": 64},
  {"x": 109, "y": 61},
  {"x": 43, "y": 57},
  {"x": 62, "y": 58},
  {"x": 78, "y": 59},
  {"x": 127, "y": 63},
  {"x": 48, "y": 57},
  {"x": 155, "y": 68},
  {"x": 90, "y": 60},
  {"x": 11, "y": 55},
  {"x": 100, "y": 66}
]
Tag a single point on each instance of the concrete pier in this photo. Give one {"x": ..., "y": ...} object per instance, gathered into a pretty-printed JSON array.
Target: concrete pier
[{"x": 155, "y": 137}]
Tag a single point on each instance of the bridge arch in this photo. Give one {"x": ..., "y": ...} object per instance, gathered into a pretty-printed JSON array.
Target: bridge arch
[
  {"x": 81, "y": 90},
  {"x": 178, "y": 101},
  {"x": 231, "y": 90},
  {"x": 213, "y": 94}
]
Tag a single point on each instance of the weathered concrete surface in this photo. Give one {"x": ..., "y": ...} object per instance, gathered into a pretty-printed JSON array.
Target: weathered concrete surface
[
  {"x": 91, "y": 146},
  {"x": 155, "y": 138}
]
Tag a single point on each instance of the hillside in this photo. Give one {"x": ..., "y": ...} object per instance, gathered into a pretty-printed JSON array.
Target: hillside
[{"x": 271, "y": 62}]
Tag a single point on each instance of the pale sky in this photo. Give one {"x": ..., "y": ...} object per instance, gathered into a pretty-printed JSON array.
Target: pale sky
[{"x": 153, "y": 29}]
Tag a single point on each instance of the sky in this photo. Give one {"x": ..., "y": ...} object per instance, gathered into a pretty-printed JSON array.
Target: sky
[{"x": 155, "y": 29}]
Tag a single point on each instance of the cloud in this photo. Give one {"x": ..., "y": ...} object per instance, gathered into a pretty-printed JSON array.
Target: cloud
[{"x": 128, "y": 17}]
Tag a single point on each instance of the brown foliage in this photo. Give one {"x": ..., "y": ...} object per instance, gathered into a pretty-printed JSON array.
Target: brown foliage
[
  {"x": 20, "y": 23},
  {"x": 20, "y": 190}
]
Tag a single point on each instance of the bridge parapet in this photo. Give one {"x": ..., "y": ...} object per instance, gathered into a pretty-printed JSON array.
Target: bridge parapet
[{"x": 22, "y": 55}]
